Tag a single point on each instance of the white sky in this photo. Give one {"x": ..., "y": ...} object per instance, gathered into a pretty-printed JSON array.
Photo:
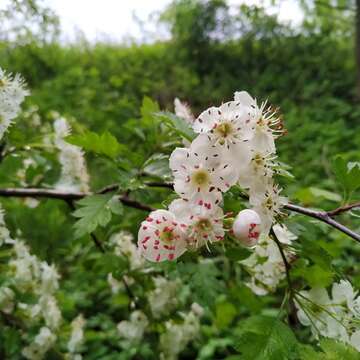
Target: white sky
[{"x": 114, "y": 19}]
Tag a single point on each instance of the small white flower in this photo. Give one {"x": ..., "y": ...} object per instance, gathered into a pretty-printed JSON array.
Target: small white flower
[
  {"x": 40, "y": 346},
  {"x": 284, "y": 235},
  {"x": 343, "y": 294},
  {"x": 12, "y": 94},
  {"x": 49, "y": 278},
  {"x": 200, "y": 172},
  {"x": 265, "y": 266},
  {"x": 7, "y": 300},
  {"x": 260, "y": 166},
  {"x": 246, "y": 227},
  {"x": 183, "y": 111},
  {"x": 355, "y": 340},
  {"x": 124, "y": 246},
  {"x": 266, "y": 125},
  {"x": 50, "y": 311},
  {"x": 177, "y": 336},
  {"x": 161, "y": 237},
  {"x": 77, "y": 334},
  {"x": 204, "y": 222},
  {"x": 163, "y": 299},
  {"x": 267, "y": 202},
  {"x": 74, "y": 175},
  {"x": 132, "y": 331}
]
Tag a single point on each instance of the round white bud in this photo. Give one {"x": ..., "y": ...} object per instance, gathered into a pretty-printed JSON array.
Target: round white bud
[{"x": 246, "y": 227}]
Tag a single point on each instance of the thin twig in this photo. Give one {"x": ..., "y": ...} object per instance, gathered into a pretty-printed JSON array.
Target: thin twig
[
  {"x": 324, "y": 217},
  {"x": 343, "y": 209},
  {"x": 283, "y": 256},
  {"x": 66, "y": 196}
]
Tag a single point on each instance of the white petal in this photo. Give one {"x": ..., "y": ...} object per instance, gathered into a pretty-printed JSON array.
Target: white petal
[
  {"x": 178, "y": 158},
  {"x": 206, "y": 120},
  {"x": 244, "y": 98}
]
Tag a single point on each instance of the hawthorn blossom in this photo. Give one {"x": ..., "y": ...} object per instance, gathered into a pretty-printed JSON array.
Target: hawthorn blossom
[
  {"x": 12, "y": 94},
  {"x": 40, "y": 346},
  {"x": 7, "y": 300},
  {"x": 74, "y": 175},
  {"x": 124, "y": 245},
  {"x": 200, "y": 172},
  {"x": 334, "y": 317},
  {"x": 265, "y": 123},
  {"x": 77, "y": 334},
  {"x": 161, "y": 237},
  {"x": 260, "y": 166},
  {"x": 177, "y": 336},
  {"x": 183, "y": 111},
  {"x": 163, "y": 299},
  {"x": 267, "y": 202},
  {"x": 132, "y": 330},
  {"x": 5, "y": 237},
  {"x": 266, "y": 265},
  {"x": 204, "y": 222}
]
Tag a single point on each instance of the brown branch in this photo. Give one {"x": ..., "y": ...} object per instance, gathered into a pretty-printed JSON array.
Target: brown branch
[
  {"x": 68, "y": 196},
  {"x": 343, "y": 209},
  {"x": 283, "y": 256},
  {"x": 324, "y": 217}
]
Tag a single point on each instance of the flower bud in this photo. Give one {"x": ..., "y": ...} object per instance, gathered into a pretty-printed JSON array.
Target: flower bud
[{"x": 246, "y": 227}]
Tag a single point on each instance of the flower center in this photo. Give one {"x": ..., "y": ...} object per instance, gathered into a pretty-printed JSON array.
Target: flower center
[
  {"x": 224, "y": 129},
  {"x": 200, "y": 177},
  {"x": 167, "y": 235},
  {"x": 2, "y": 82},
  {"x": 204, "y": 225}
]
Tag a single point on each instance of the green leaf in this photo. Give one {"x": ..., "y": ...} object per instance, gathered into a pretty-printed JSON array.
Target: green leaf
[
  {"x": 347, "y": 174},
  {"x": 327, "y": 195},
  {"x": 336, "y": 350},
  {"x": 104, "y": 144},
  {"x": 94, "y": 211},
  {"x": 317, "y": 276},
  {"x": 148, "y": 109},
  {"x": 158, "y": 165},
  {"x": 225, "y": 314},
  {"x": 266, "y": 338},
  {"x": 237, "y": 253},
  {"x": 178, "y": 125}
]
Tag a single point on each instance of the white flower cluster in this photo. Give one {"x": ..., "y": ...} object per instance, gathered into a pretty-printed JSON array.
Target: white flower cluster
[
  {"x": 177, "y": 336},
  {"x": 28, "y": 275},
  {"x": 12, "y": 94},
  {"x": 74, "y": 175},
  {"x": 132, "y": 331},
  {"x": 337, "y": 317},
  {"x": 266, "y": 265},
  {"x": 42, "y": 343},
  {"x": 76, "y": 338},
  {"x": 124, "y": 245},
  {"x": 163, "y": 299},
  {"x": 5, "y": 237},
  {"x": 31, "y": 275},
  {"x": 235, "y": 145}
]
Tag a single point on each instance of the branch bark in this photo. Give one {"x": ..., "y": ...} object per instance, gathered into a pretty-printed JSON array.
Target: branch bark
[
  {"x": 326, "y": 217},
  {"x": 68, "y": 196}
]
